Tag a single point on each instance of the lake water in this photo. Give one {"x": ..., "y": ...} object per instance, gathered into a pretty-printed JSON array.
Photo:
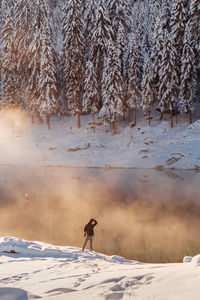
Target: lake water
[{"x": 142, "y": 214}]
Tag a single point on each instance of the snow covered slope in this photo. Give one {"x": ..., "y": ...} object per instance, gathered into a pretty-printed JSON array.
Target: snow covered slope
[{"x": 40, "y": 270}]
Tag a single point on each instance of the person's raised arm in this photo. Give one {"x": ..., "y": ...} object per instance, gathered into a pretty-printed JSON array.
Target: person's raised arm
[{"x": 95, "y": 222}]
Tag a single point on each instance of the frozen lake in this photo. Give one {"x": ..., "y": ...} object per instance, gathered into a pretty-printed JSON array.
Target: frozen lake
[{"x": 143, "y": 214}]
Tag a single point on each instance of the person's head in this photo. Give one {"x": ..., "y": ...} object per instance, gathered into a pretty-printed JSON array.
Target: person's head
[{"x": 91, "y": 220}]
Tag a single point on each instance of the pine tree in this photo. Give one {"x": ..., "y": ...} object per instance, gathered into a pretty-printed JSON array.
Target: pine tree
[
  {"x": 112, "y": 108},
  {"x": 11, "y": 85},
  {"x": 120, "y": 14},
  {"x": 155, "y": 9},
  {"x": 168, "y": 76},
  {"x": 91, "y": 96},
  {"x": 40, "y": 11},
  {"x": 186, "y": 4},
  {"x": 143, "y": 32},
  {"x": 147, "y": 96},
  {"x": 24, "y": 36},
  {"x": 32, "y": 90},
  {"x": 74, "y": 58},
  {"x": 23, "y": 16},
  {"x": 59, "y": 38},
  {"x": 155, "y": 6},
  {"x": 166, "y": 15},
  {"x": 134, "y": 78},
  {"x": 188, "y": 87},
  {"x": 56, "y": 39},
  {"x": 48, "y": 97},
  {"x": 89, "y": 19},
  {"x": 194, "y": 20},
  {"x": 178, "y": 21},
  {"x": 101, "y": 38},
  {"x": 156, "y": 57},
  {"x": 135, "y": 13},
  {"x": 121, "y": 44},
  {"x": 34, "y": 58}
]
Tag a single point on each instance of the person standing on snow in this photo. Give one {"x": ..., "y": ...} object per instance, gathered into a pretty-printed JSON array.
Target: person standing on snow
[{"x": 89, "y": 233}]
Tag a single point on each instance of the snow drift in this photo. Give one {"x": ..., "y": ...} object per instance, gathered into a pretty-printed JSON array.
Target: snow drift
[{"x": 41, "y": 270}]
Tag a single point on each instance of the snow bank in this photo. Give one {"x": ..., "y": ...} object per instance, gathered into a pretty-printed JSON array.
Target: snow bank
[
  {"x": 187, "y": 259},
  {"x": 190, "y": 259},
  {"x": 17, "y": 246},
  {"x": 68, "y": 273},
  {"x": 196, "y": 259},
  {"x": 35, "y": 249},
  {"x": 22, "y": 247}
]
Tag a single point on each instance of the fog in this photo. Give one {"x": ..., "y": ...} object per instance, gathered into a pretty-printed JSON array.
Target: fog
[
  {"x": 146, "y": 215},
  {"x": 149, "y": 216}
]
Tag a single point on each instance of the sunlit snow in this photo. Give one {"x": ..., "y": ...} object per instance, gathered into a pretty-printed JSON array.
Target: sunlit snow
[
  {"x": 40, "y": 270},
  {"x": 138, "y": 146}
]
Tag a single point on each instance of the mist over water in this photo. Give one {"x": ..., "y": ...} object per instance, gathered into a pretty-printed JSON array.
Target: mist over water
[{"x": 143, "y": 215}]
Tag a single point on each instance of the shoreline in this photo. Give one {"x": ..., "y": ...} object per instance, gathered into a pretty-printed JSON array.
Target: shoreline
[{"x": 159, "y": 168}]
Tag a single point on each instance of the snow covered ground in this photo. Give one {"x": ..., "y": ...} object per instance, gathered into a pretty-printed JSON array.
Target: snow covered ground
[
  {"x": 140, "y": 146},
  {"x": 40, "y": 270}
]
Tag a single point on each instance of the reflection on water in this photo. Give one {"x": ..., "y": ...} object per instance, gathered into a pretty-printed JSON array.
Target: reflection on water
[{"x": 145, "y": 215}]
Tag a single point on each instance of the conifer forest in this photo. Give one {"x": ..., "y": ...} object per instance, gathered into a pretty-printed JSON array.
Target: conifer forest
[{"x": 105, "y": 57}]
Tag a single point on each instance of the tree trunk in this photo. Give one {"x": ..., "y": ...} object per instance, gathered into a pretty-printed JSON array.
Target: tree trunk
[
  {"x": 40, "y": 119},
  {"x": 93, "y": 122},
  {"x": 48, "y": 122},
  {"x": 124, "y": 116},
  {"x": 176, "y": 112},
  {"x": 135, "y": 111},
  {"x": 12, "y": 120},
  {"x": 32, "y": 119},
  {"x": 22, "y": 117},
  {"x": 161, "y": 115},
  {"x": 149, "y": 117},
  {"x": 110, "y": 126},
  {"x": 172, "y": 119},
  {"x": 190, "y": 113},
  {"x": 114, "y": 125},
  {"x": 79, "y": 119},
  {"x": 129, "y": 115}
]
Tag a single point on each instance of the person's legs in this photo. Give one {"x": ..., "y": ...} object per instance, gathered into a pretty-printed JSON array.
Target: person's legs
[
  {"x": 86, "y": 240},
  {"x": 91, "y": 239}
]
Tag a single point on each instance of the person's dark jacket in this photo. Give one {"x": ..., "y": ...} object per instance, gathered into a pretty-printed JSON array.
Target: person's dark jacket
[{"x": 89, "y": 228}]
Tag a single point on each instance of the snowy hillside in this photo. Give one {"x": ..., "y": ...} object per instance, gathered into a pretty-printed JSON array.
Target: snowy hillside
[
  {"x": 140, "y": 146},
  {"x": 40, "y": 270}
]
